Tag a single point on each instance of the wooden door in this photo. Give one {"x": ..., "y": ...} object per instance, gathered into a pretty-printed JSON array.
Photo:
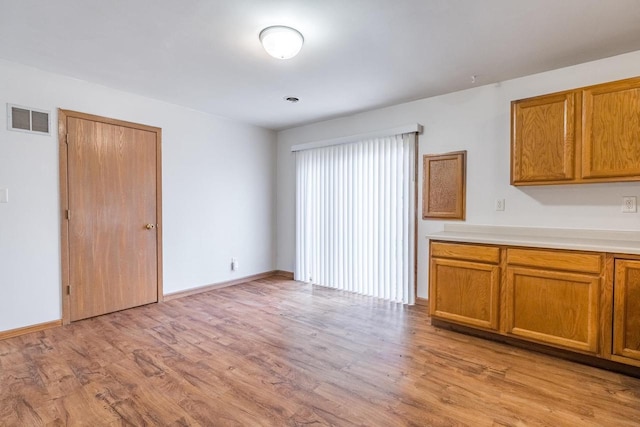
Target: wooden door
[
  {"x": 543, "y": 139},
  {"x": 611, "y": 130},
  {"x": 464, "y": 292},
  {"x": 112, "y": 197},
  {"x": 626, "y": 310},
  {"x": 553, "y": 307}
]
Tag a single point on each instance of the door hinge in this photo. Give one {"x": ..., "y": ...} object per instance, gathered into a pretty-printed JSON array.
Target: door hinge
[
  {"x": 68, "y": 289},
  {"x": 68, "y": 214},
  {"x": 66, "y": 139}
]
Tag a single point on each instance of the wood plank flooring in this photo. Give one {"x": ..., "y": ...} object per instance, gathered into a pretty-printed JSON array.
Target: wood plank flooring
[{"x": 275, "y": 352}]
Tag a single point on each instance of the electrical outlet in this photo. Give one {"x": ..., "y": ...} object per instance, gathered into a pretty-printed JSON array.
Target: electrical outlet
[
  {"x": 629, "y": 204},
  {"x": 499, "y": 204},
  {"x": 234, "y": 264}
]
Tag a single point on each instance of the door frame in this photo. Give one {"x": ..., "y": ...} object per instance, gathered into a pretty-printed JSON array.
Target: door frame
[{"x": 64, "y": 199}]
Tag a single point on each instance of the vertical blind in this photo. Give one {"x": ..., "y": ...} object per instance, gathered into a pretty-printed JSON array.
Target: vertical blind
[{"x": 355, "y": 217}]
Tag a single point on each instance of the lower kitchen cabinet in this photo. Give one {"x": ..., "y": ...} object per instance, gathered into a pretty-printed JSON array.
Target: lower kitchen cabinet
[
  {"x": 578, "y": 301},
  {"x": 553, "y": 307},
  {"x": 465, "y": 292},
  {"x": 626, "y": 312}
]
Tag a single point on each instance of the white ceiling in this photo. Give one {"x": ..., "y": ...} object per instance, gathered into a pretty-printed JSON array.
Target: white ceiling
[{"x": 358, "y": 54}]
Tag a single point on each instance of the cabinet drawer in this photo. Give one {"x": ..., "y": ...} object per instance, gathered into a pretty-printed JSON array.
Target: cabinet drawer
[
  {"x": 490, "y": 254},
  {"x": 558, "y": 260}
]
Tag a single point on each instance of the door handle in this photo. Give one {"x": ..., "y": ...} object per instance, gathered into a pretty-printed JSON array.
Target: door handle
[{"x": 150, "y": 226}]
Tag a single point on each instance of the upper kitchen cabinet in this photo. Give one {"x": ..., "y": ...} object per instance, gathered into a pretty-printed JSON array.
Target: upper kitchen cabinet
[
  {"x": 543, "y": 139},
  {"x": 611, "y": 131},
  {"x": 590, "y": 134}
]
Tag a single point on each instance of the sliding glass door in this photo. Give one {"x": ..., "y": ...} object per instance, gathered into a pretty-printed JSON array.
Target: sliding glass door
[{"x": 355, "y": 217}]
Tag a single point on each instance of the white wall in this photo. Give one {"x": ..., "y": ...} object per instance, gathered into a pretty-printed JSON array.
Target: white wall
[
  {"x": 218, "y": 193},
  {"x": 476, "y": 120}
]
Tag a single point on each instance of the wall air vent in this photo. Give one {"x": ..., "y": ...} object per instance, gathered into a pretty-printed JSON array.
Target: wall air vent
[{"x": 25, "y": 119}]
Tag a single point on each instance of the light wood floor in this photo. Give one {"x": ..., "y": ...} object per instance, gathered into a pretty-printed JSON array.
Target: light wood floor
[{"x": 277, "y": 352}]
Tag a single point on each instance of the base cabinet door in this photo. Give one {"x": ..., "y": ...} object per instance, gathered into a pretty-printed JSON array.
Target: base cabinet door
[
  {"x": 550, "y": 307},
  {"x": 465, "y": 292},
  {"x": 626, "y": 311}
]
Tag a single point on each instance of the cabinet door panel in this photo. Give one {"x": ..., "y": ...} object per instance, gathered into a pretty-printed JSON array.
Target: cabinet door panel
[
  {"x": 464, "y": 292},
  {"x": 553, "y": 307},
  {"x": 543, "y": 139},
  {"x": 611, "y": 130},
  {"x": 626, "y": 309}
]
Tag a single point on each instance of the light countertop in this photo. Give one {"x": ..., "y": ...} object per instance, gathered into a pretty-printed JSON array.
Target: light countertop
[{"x": 614, "y": 241}]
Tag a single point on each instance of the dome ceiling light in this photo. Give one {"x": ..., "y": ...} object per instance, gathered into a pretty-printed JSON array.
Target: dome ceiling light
[{"x": 281, "y": 42}]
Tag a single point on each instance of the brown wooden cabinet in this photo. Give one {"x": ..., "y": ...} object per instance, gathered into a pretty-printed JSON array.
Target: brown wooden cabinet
[
  {"x": 543, "y": 142},
  {"x": 465, "y": 284},
  {"x": 552, "y": 297},
  {"x": 584, "y": 135},
  {"x": 611, "y": 131},
  {"x": 626, "y": 312},
  {"x": 577, "y": 301}
]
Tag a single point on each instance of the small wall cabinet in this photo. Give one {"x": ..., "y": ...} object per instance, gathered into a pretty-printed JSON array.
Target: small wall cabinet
[
  {"x": 559, "y": 298},
  {"x": 590, "y": 134}
]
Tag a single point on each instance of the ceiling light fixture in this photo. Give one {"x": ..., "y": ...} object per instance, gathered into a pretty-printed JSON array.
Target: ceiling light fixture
[{"x": 281, "y": 42}]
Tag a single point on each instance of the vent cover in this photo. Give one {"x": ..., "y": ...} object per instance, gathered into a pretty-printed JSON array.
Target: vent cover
[{"x": 25, "y": 119}]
